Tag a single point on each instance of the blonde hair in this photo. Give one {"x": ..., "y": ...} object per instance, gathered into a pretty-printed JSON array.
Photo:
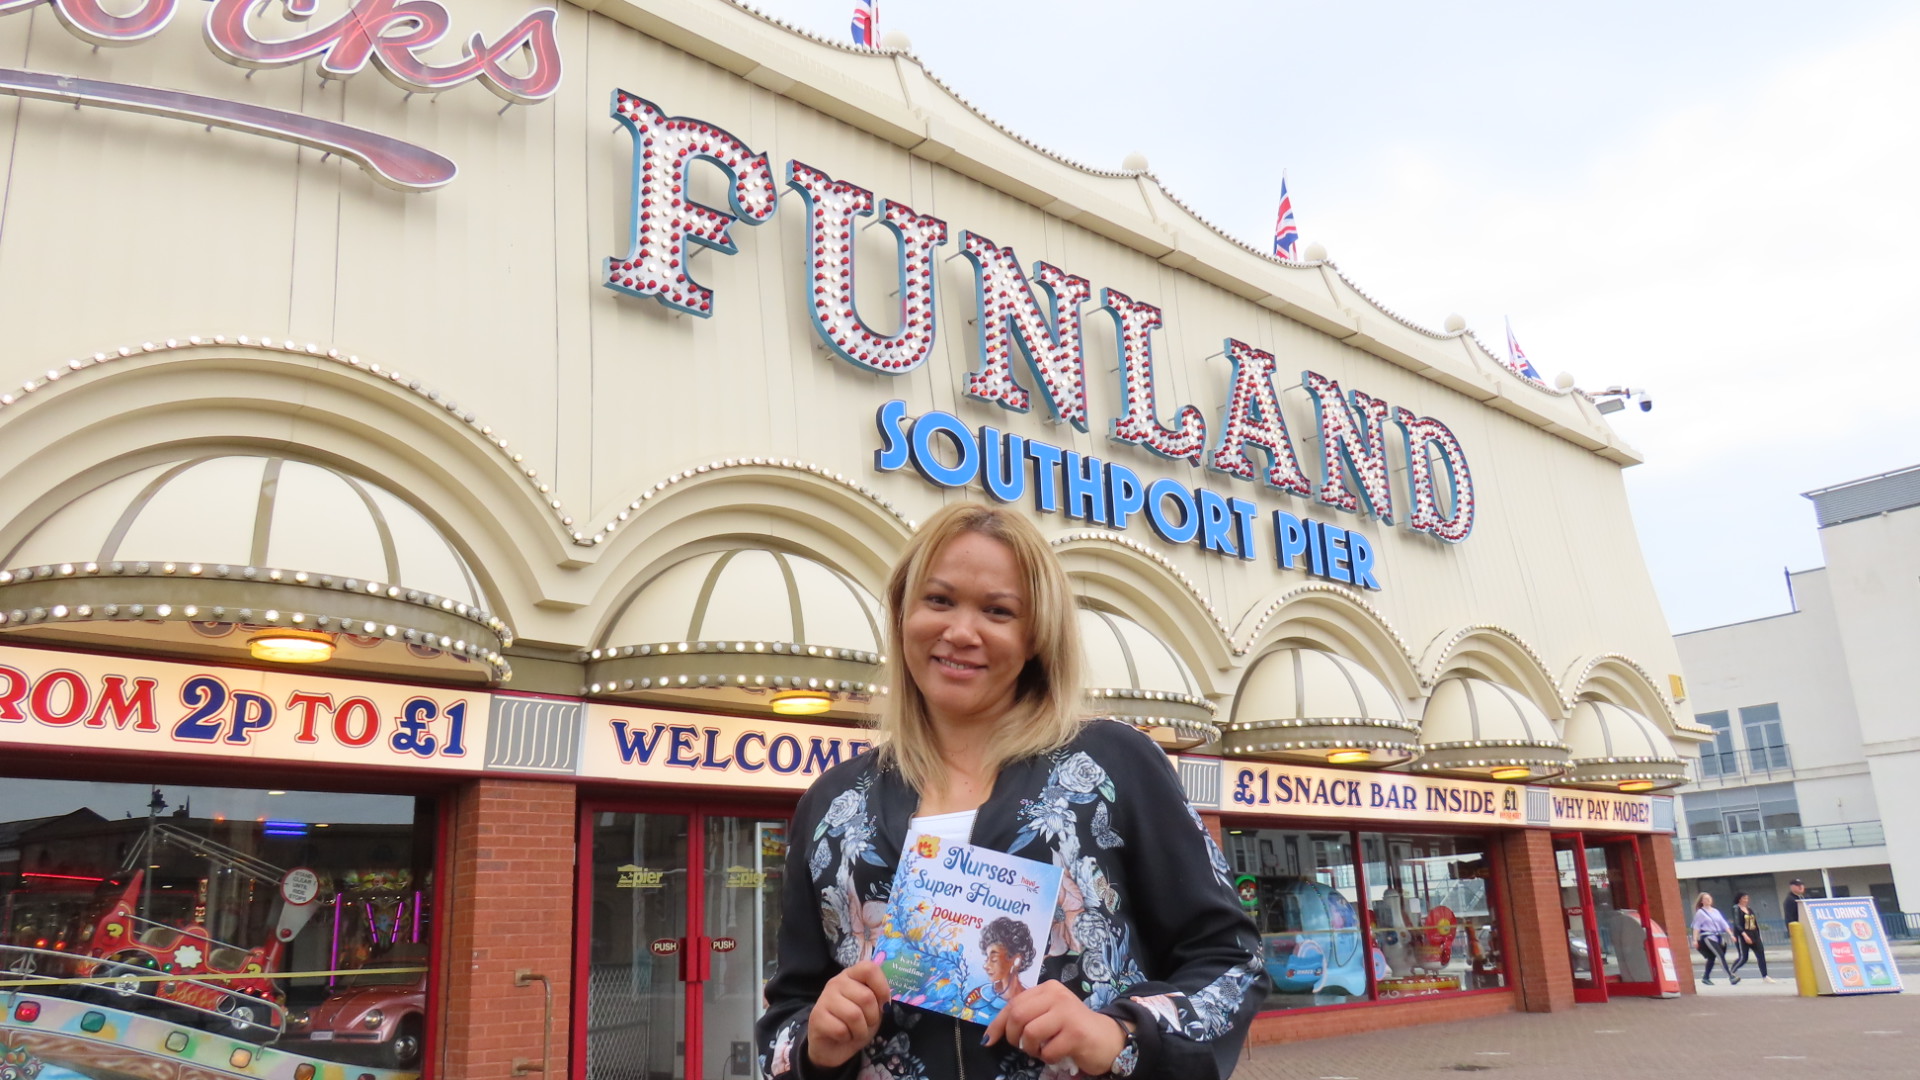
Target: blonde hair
[
  {"x": 1048, "y": 696},
  {"x": 1702, "y": 900}
]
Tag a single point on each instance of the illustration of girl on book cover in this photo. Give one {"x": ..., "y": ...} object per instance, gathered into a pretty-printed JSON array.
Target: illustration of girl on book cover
[{"x": 1008, "y": 946}]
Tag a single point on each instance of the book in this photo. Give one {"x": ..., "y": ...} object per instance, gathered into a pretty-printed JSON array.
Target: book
[{"x": 966, "y": 927}]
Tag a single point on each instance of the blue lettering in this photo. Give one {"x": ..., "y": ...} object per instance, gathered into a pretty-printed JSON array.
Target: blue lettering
[
  {"x": 1125, "y": 494},
  {"x": 712, "y": 758},
  {"x": 791, "y": 747},
  {"x": 1046, "y": 485},
  {"x": 1289, "y": 539},
  {"x": 410, "y": 734},
  {"x": 892, "y": 454},
  {"x": 822, "y": 754},
  {"x": 1158, "y": 493},
  {"x": 456, "y": 738},
  {"x": 1003, "y": 464},
  {"x": 634, "y": 743},
  {"x": 1362, "y": 561},
  {"x": 681, "y": 752},
  {"x": 1337, "y": 554},
  {"x": 928, "y": 465},
  {"x": 1086, "y": 489},
  {"x": 1216, "y": 525},
  {"x": 1316, "y": 549},
  {"x": 740, "y": 752},
  {"x": 205, "y": 696},
  {"x": 251, "y": 712},
  {"x": 1243, "y": 512}
]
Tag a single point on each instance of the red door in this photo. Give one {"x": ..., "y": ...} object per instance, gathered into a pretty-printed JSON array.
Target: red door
[
  {"x": 681, "y": 908},
  {"x": 1585, "y": 948},
  {"x": 1603, "y": 901}
]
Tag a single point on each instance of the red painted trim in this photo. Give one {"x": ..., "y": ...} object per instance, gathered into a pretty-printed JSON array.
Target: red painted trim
[
  {"x": 1347, "y": 1006},
  {"x": 693, "y": 958},
  {"x": 1365, "y": 911},
  {"x": 1596, "y": 994},
  {"x": 442, "y": 926},
  {"x": 695, "y": 952},
  {"x": 1503, "y": 915},
  {"x": 480, "y": 686},
  {"x": 582, "y": 944},
  {"x": 1366, "y": 925}
]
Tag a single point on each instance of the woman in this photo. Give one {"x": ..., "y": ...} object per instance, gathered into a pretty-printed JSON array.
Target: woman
[
  {"x": 1746, "y": 933},
  {"x": 1710, "y": 933},
  {"x": 1152, "y": 968}
]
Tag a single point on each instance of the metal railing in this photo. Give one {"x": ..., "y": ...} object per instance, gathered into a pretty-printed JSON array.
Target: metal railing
[
  {"x": 1753, "y": 761},
  {"x": 1779, "y": 841},
  {"x": 1903, "y": 926}
]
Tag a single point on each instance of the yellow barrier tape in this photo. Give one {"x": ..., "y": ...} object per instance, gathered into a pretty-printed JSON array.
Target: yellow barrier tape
[{"x": 99, "y": 980}]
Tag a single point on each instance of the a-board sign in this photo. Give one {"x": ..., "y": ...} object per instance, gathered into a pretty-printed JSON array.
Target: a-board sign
[{"x": 1849, "y": 943}]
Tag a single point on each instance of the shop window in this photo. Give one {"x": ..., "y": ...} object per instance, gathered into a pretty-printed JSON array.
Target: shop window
[
  {"x": 1302, "y": 890},
  {"x": 1718, "y": 759},
  {"x": 293, "y": 919},
  {"x": 1435, "y": 929},
  {"x": 1766, "y": 744},
  {"x": 1752, "y": 820}
]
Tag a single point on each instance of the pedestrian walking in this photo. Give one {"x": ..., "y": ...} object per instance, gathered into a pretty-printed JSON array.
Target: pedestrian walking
[
  {"x": 1746, "y": 934},
  {"x": 1153, "y": 970},
  {"x": 1795, "y": 890},
  {"x": 1710, "y": 936}
]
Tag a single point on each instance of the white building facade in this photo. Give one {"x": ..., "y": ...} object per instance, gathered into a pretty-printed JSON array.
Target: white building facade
[
  {"x": 1815, "y": 747},
  {"x": 440, "y": 539}
]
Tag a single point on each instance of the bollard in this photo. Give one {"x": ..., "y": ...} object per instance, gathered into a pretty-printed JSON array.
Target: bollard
[{"x": 1802, "y": 960}]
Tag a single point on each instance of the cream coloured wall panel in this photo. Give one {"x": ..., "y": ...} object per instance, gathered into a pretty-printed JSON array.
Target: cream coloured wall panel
[{"x": 489, "y": 292}]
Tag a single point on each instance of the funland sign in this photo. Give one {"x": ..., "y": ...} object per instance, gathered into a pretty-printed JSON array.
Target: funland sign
[{"x": 1043, "y": 324}]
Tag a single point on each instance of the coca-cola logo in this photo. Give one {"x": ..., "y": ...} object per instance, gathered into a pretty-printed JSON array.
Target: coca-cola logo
[{"x": 521, "y": 66}]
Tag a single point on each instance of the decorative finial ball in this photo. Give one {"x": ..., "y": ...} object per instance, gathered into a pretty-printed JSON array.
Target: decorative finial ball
[
  {"x": 1316, "y": 252},
  {"x": 1135, "y": 162},
  {"x": 1455, "y": 323},
  {"x": 897, "y": 41},
  {"x": 1564, "y": 380}
]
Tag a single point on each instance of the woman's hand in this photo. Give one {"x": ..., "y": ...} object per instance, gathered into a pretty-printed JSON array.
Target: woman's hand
[
  {"x": 1048, "y": 1022},
  {"x": 847, "y": 1015}
]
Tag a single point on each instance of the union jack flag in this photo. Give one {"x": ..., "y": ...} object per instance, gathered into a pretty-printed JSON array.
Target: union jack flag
[
  {"x": 1285, "y": 236},
  {"x": 866, "y": 23},
  {"x": 1517, "y": 358}
]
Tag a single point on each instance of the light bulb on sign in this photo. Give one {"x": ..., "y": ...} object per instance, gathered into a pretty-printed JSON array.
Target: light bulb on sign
[
  {"x": 291, "y": 646},
  {"x": 802, "y": 702}
]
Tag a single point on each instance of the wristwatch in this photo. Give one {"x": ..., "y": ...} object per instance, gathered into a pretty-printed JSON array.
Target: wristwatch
[{"x": 1128, "y": 1059}]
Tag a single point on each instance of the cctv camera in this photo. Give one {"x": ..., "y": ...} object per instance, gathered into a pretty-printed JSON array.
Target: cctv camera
[{"x": 1646, "y": 404}]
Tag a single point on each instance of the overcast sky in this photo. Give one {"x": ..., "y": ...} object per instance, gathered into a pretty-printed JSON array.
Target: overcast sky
[{"x": 1711, "y": 200}]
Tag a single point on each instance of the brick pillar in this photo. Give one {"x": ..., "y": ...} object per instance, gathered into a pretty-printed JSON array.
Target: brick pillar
[
  {"x": 510, "y": 908},
  {"x": 1212, "y": 821},
  {"x": 1668, "y": 908},
  {"x": 1536, "y": 934}
]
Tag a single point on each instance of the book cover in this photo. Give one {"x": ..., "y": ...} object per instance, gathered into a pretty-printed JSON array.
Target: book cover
[{"x": 966, "y": 927}]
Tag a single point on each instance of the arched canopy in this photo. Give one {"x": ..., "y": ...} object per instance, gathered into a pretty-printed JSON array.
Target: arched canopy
[
  {"x": 1496, "y": 655},
  {"x": 1134, "y": 676},
  {"x": 1481, "y": 729},
  {"x": 743, "y": 627},
  {"x": 1312, "y": 705},
  {"x": 1615, "y": 748},
  {"x": 207, "y": 555}
]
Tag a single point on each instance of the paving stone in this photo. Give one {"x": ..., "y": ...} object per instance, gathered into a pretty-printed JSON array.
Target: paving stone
[{"x": 1754, "y": 1031}]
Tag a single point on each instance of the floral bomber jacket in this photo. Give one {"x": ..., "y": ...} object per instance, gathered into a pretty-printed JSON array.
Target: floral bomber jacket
[{"x": 1148, "y": 926}]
